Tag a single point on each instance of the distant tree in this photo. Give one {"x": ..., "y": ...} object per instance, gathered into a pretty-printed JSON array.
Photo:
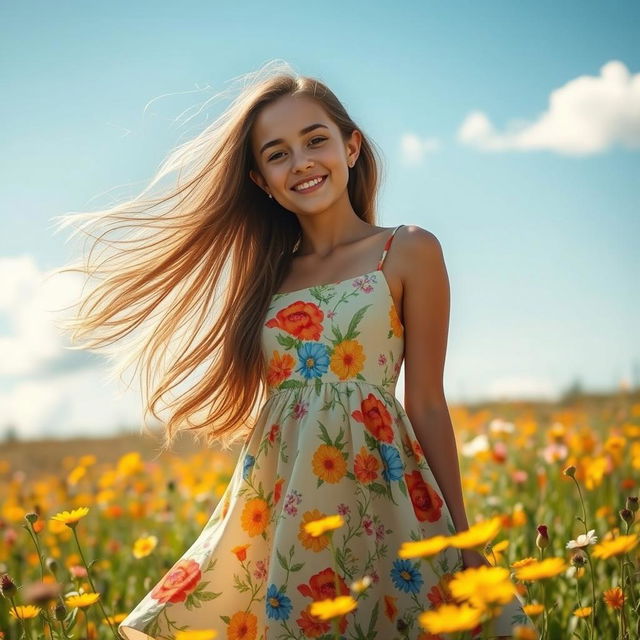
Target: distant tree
[
  {"x": 574, "y": 391},
  {"x": 10, "y": 433}
]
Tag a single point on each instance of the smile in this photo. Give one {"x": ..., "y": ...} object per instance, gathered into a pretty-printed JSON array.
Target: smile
[{"x": 312, "y": 185}]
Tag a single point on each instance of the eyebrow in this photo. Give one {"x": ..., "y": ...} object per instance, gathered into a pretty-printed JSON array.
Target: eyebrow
[{"x": 302, "y": 132}]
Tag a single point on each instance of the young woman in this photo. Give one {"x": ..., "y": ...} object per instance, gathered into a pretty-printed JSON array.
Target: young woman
[{"x": 321, "y": 305}]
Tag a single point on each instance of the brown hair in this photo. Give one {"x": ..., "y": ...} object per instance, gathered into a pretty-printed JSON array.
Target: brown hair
[{"x": 165, "y": 257}]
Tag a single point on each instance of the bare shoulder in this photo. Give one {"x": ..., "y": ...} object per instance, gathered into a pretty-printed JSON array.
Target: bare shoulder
[{"x": 419, "y": 250}]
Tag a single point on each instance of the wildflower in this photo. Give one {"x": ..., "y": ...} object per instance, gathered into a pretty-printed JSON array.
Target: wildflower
[
  {"x": 449, "y": 618},
  {"x": 426, "y": 547},
  {"x": 582, "y": 612},
  {"x": 7, "y": 586},
  {"x": 316, "y": 528},
  {"x": 615, "y": 546},
  {"x": 541, "y": 570},
  {"x": 332, "y": 607},
  {"x": 82, "y": 600},
  {"x": 360, "y": 585},
  {"x": 71, "y": 518},
  {"x": 570, "y": 471},
  {"x": 614, "y": 597},
  {"x": 196, "y": 634},
  {"x": 583, "y": 540},
  {"x": 542, "y": 539},
  {"x": 142, "y": 547},
  {"x": 482, "y": 586},
  {"x": 477, "y": 534},
  {"x": 24, "y": 612},
  {"x": 626, "y": 515}
]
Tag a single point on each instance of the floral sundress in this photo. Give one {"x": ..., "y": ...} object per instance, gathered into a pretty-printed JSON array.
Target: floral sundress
[{"x": 331, "y": 438}]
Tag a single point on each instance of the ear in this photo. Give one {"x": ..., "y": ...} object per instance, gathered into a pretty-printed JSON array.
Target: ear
[
  {"x": 258, "y": 179},
  {"x": 353, "y": 144}
]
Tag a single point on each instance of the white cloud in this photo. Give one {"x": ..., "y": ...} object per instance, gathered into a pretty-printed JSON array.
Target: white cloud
[
  {"x": 414, "y": 148},
  {"x": 587, "y": 115},
  {"x": 45, "y": 389},
  {"x": 79, "y": 403}
]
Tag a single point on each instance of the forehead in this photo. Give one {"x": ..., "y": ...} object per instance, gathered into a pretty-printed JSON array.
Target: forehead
[{"x": 284, "y": 118}]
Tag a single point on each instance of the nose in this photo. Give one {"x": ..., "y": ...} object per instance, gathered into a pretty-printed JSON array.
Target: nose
[{"x": 301, "y": 163}]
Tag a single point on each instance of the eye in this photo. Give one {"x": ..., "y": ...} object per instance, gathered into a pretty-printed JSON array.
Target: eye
[{"x": 312, "y": 141}]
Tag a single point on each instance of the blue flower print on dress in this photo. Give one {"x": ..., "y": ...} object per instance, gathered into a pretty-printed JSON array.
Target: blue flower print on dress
[
  {"x": 249, "y": 461},
  {"x": 314, "y": 359},
  {"x": 393, "y": 467},
  {"x": 406, "y": 576},
  {"x": 278, "y": 605}
]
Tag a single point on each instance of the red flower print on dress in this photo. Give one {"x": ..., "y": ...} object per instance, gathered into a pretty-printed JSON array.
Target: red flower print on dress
[
  {"x": 178, "y": 583},
  {"x": 376, "y": 418},
  {"x": 322, "y": 586},
  {"x": 426, "y": 501},
  {"x": 302, "y": 320}
]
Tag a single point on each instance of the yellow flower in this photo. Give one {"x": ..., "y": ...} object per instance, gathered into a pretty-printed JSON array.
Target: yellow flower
[
  {"x": 477, "y": 534},
  {"x": 255, "y": 516},
  {"x": 196, "y": 634},
  {"x": 615, "y": 546},
  {"x": 329, "y": 464},
  {"x": 24, "y": 612},
  {"x": 449, "y": 618},
  {"x": 482, "y": 586},
  {"x": 142, "y": 547},
  {"x": 422, "y": 548},
  {"x": 582, "y": 612},
  {"x": 358, "y": 586},
  {"x": 347, "y": 359},
  {"x": 540, "y": 570},
  {"x": 130, "y": 464},
  {"x": 70, "y": 518},
  {"x": 82, "y": 600},
  {"x": 533, "y": 609},
  {"x": 316, "y": 528},
  {"x": 332, "y": 607}
]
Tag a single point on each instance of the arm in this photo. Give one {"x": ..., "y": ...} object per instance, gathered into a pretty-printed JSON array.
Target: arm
[{"x": 426, "y": 319}]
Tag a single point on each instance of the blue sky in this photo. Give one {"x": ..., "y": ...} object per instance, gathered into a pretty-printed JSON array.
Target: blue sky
[{"x": 509, "y": 130}]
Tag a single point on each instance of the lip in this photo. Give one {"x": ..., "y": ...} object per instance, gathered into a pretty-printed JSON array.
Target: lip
[{"x": 324, "y": 177}]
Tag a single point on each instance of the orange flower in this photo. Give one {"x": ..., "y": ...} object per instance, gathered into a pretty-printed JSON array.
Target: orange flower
[
  {"x": 396, "y": 325},
  {"x": 277, "y": 490},
  {"x": 303, "y": 320},
  {"x": 280, "y": 368},
  {"x": 255, "y": 516},
  {"x": 375, "y": 417},
  {"x": 425, "y": 499},
  {"x": 390, "y": 609},
  {"x": 614, "y": 597},
  {"x": 308, "y": 541},
  {"x": 347, "y": 359},
  {"x": 242, "y": 626},
  {"x": 241, "y": 551},
  {"x": 366, "y": 466},
  {"x": 329, "y": 464}
]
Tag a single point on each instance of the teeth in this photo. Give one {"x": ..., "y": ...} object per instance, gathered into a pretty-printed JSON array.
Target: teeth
[{"x": 306, "y": 185}]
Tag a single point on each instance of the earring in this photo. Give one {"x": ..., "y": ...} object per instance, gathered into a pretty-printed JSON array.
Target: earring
[{"x": 270, "y": 196}]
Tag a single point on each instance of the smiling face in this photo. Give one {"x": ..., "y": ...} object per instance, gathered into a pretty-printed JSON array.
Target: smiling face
[{"x": 294, "y": 141}]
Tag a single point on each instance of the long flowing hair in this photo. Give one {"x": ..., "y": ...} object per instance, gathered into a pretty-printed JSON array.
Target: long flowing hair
[{"x": 186, "y": 276}]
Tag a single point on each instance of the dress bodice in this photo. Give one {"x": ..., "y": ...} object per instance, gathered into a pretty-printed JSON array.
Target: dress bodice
[{"x": 348, "y": 330}]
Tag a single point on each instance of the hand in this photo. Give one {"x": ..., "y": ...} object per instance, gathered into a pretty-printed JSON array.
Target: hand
[{"x": 472, "y": 558}]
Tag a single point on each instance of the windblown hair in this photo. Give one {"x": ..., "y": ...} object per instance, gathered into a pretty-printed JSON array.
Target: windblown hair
[{"x": 214, "y": 241}]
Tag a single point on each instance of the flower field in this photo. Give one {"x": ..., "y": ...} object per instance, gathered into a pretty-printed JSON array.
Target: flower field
[{"x": 551, "y": 494}]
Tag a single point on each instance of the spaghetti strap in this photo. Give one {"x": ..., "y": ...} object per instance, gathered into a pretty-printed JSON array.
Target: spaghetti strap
[{"x": 387, "y": 244}]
